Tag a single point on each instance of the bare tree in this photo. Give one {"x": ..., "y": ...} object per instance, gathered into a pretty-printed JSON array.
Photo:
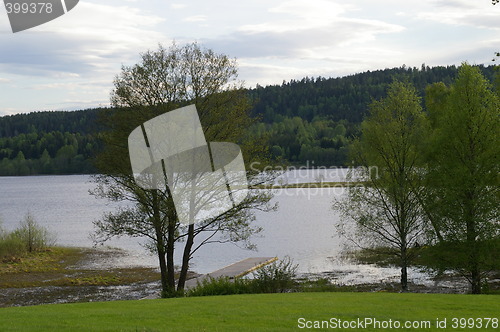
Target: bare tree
[{"x": 164, "y": 80}]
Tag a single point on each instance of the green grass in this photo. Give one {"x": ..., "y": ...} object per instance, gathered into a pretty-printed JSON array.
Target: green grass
[{"x": 262, "y": 312}]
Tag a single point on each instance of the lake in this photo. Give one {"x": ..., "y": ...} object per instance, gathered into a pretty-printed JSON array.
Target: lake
[{"x": 302, "y": 228}]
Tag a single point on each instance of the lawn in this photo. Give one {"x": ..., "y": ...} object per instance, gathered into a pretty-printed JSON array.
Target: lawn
[{"x": 261, "y": 312}]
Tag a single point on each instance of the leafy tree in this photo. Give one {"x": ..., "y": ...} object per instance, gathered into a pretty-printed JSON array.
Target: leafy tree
[
  {"x": 463, "y": 184},
  {"x": 386, "y": 210},
  {"x": 164, "y": 80}
]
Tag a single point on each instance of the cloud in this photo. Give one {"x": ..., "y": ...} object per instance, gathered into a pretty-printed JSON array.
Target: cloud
[
  {"x": 195, "y": 18},
  {"x": 86, "y": 41},
  {"x": 300, "y": 14},
  {"x": 456, "y": 4},
  {"x": 479, "y": 14},
  {"x": 314, "y": 27},
  {"x": 75, "y": 57},
  {"x": 178, "y": 6}
]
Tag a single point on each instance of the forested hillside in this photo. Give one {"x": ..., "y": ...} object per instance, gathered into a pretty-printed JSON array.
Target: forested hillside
[
  {"x": 312, "y": 120},
  {"x": 48, "y": 142},
  {"x": 344, "y": 98}
]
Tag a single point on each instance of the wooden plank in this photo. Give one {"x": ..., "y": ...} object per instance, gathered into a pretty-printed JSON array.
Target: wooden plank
[{"x": 236, "y": 270}]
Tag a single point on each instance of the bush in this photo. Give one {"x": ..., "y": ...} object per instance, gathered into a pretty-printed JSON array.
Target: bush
[
  {"x": 277, "y": 277},
  {"x": 222, "y": 286},
  {"x": 33, "y": 236},
  {"x": 10, "y": 246}
]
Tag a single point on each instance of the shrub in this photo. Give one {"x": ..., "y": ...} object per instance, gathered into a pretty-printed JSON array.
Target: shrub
[
  {"x": 33, "y": 236},
  {"x": 10, "y": 246},
  {"x": 277, "y": 277},
  {"x": 222, "y": 286}
]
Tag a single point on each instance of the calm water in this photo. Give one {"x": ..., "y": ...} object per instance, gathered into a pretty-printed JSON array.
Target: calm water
[{"x": 302, "y": 228}]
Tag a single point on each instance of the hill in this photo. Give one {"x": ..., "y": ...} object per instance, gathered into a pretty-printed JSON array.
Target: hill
[{"x": 312, "y": 119}]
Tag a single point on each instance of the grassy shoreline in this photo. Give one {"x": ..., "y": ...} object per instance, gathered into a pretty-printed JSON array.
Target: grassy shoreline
[
  {"x": 71, "y": 274},
  {"x": 65, "y": 266}
]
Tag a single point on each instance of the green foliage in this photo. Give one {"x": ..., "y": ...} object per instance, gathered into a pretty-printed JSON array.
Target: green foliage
[
  {"x": 463, "y": 189},
  {"x": 33, "y": 236},
  {"x": 324, "y": 285},
  {"x": 387, "y": 211},
  {"x": 47, "y": 153},
  {"x": 451, "y": 255},
  {"x": 306, "y": 120},
  {"x": 223, "y": 286},
  {"x": 28, "y": 237},
  {"x": 321, "y": 142},
  {"x": 436, "y": 175},
  {"x": 162, "y": 81},
  {"x": 277, "y": 277},
  {"x": 10, "y": 246},
  {"x": 343, "y": 98},
  {"x": 82, "y": 122}
]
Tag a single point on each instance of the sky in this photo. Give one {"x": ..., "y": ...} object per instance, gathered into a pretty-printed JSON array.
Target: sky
[{"x": 70, "y": 63}]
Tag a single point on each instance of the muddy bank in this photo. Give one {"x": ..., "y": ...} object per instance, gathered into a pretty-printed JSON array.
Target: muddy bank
[
  {"x": 63, "y": 275},
  {"x": 66, "y": 275},
  {"x": 68, "y": 294},
  {"x": 448, "y": 283}
]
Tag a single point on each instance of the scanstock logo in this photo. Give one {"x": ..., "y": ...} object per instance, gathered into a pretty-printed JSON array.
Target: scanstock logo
[
  {"x": 205, "y": 179},
  {"x": 26, "y": 14}
]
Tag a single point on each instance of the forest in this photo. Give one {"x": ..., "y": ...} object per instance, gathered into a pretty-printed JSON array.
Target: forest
[{"x": 312, "y": 119}]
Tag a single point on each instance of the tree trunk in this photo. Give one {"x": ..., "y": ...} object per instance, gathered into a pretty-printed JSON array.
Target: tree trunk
[
  {"x": 160, "y": 245},
  {"x": 476, "y": 280},
  {"x": 165, "y": 287},
  {"x": 404, "y": 269},
  {"x": 473, "y": 264},
  {"x": 172, "y": 221},
  {"x": 404, "y": 278},
  {"x": 472, "y": 242},
  {"x": 170, "y": 255},
  {"x": 186, "y": 258}
]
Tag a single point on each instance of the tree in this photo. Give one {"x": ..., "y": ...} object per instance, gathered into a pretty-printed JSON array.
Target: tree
[
  {"x": 463, "y": 185},
  {"x": 164, "y": 80},
  {"x": 386, "y": 210},
  {"x": 33, "y": 236}
]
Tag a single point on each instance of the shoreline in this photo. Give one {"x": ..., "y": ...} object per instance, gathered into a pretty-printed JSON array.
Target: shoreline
[
  {"x": 85, "y": 275},
  {"x": 74, "y": 274}
]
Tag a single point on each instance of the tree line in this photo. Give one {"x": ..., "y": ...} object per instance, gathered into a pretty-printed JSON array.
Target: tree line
[
  {"x": 52, "y": 152},
  {"x": 344, "y": 98},
  {"x": 308, "y": 120}
]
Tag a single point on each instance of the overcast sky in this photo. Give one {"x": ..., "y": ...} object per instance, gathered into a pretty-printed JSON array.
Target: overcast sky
[{"x": 70, "y": 62}]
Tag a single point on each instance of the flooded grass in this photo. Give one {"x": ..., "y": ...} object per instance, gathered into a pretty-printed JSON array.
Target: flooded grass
[{"x": 63, "y": 274}]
